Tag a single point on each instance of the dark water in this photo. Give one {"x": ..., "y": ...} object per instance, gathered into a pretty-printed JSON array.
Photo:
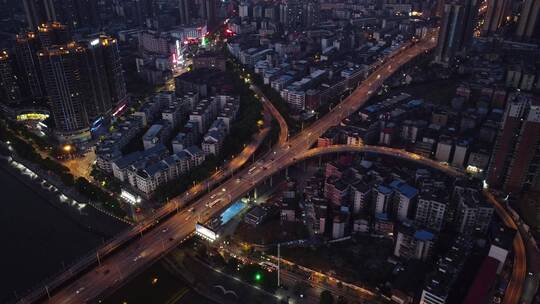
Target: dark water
[
  {"x": 35, "y": 237},
  {"x": 38, "y": 237}
]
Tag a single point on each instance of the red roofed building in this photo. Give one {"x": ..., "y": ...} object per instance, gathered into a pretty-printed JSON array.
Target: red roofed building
[{"x": 484, "y": 281}]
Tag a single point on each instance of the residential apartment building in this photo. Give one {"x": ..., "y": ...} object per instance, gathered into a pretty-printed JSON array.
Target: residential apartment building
[
  {"x": 431, "y": 209},
  {"x": 515, "y": 164}
]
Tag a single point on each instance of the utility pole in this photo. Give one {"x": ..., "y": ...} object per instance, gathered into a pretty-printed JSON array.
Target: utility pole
[{"x": 278, "y": 264}]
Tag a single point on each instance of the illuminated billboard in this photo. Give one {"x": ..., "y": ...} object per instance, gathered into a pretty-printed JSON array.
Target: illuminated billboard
[
  {"x": 32, "y": 116},
  {"x": 130, "y": 198},
  {"x": 178, "y": 58},
  {"x": 206, "y": 232}
]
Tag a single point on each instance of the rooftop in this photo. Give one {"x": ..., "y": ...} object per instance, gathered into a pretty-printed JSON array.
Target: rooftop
[
  {"x": 424, "y": 235},
  {"x": 404, "y": 188},
  {"x": 384, "y": 190}
]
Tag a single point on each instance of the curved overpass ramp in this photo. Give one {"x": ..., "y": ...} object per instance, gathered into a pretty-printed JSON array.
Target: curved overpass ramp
[
  {"x": 398, "y": 153},
  {"x": 148, "y": 242},
  {"x": 515, "y": 285}
]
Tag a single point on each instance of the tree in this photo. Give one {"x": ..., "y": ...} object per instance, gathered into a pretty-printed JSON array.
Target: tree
[
  {"x": 326, "y": 297},
  {"x": 67, "y": 179},
  {"x": 202, "y": 251},
  {"x": 341, "y": 300}
]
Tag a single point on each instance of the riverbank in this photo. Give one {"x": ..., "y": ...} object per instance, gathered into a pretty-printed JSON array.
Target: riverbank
[
  {"x": 41, "y": 234},
  {"x": 80, "y": 213}
]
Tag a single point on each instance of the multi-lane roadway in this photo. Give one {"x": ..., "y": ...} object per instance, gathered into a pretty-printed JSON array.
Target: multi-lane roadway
[
  {"x": 166, "y": 235},
  {"x": 145, "y": 248},
  {"x": 283, "y": 127},
  {"x": 515, "y": 285},
  {"x": 174, "y": 204}
]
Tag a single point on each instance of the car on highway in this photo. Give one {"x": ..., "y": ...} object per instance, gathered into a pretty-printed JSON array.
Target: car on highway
[{"x": 210, "y": 205}]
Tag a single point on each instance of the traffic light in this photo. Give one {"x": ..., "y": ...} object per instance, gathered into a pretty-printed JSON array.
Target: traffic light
[{"x": 258, "y": 277}]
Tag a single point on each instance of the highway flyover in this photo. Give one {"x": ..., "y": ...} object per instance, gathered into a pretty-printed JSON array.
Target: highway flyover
[
  {"x": 155, "y": 237},
  {"x": 157, "y": 242}
]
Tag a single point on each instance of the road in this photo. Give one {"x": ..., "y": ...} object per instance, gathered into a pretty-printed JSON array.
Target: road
[
  {"x": 515, "y": 286},
  {"x": 519, "y": 271},
  {"x": 206, "y": 277},
  {"x": 322, "y": 281},
  {"x": 397, "y": 153},
  {"x": 159, "y": 240},
  {"x": 238, "y": 161},
  {"x": 159, "y": 237},
  {"x": 317, "y": 280},
  {"x": 224, "y": 172},
  {"x": 319, "y": 285},
  {"x": 283, "y": 127}
]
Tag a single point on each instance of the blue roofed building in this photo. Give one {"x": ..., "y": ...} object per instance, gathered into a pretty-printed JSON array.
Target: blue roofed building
[
  {"x": 415, "y": 103},
  {"x": 110, "y": 147},
  {"x": 403, "y": 200},
  {"x": 213, "y": 140},
  {"x": 281, "y": 82},
  {"x": 383, "y": 199},
  {"x": 148, "y": 176},
  {"x": 158, "y": 133},
  {"x": 121, "y": 166},
  {"x": 383, "y": 225},
  {"x": 412, "y": 243}
]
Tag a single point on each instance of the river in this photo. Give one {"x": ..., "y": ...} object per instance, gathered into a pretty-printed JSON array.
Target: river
[
  {"x": 40, "y": 235},
  {"x": 36, "y": 237}
]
